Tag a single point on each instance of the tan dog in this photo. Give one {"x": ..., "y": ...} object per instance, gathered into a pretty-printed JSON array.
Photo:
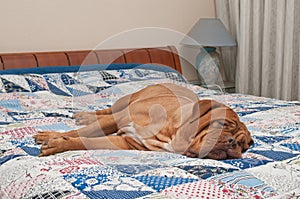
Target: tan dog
[{"x": 162, "y": 117}]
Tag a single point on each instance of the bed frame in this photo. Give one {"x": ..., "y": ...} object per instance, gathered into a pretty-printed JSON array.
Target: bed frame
[{"x": 166, "y": 55}]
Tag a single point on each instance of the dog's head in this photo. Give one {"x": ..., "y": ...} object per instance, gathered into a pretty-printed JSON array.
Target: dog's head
[
  {"x": 220, "y": 133},
  {"x": 231, "y": 143}
]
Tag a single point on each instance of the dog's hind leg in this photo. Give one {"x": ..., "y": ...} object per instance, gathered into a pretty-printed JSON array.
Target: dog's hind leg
[
  {"x": 90, "y": 117},
  {"x": 86, "y": 118},
  {"x": 104, "y": 125}
]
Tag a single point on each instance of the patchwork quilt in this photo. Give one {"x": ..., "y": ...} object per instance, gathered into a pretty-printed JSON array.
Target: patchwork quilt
[{"x": 33, "y": 102}]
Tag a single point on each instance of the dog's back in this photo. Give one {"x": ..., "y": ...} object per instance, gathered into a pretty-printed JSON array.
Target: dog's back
[{"x": 154, "y": 115}]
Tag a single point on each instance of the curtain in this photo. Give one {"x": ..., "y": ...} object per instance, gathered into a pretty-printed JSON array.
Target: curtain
[{"x": 266, "y": 61}]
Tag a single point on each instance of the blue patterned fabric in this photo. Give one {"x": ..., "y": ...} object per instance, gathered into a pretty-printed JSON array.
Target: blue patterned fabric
[
  {"x": 116, "y": 194},
  {"x": 205, "y": 172},
  {"x": 275, "y": 155},
  {"x": 244, "y": 178},
  {"x": 79, "y": 83},
  {"x": 43, "y": 99},
  {"x": 159, "y": 183},
  {"x": 129, "y": 170},
  {"x": 292, "y": 146},
  {"x": 246, "y": 163}
]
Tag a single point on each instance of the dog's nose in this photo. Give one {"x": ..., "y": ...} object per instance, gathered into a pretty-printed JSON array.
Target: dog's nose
[{"x": 231, "y": 141}]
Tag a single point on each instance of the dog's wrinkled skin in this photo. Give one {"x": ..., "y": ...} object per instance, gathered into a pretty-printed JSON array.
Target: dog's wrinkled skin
[{"x": 162, "y": 117}]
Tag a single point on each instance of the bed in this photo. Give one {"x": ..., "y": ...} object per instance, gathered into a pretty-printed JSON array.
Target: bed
[{"x": 42, "y": 90}]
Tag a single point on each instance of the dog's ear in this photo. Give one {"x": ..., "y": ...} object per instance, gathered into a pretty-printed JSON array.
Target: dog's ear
[
  {"x": 248, "y": 142},
  {"x": 251, "y": 142},
  {"x": 247, "y": 145}
]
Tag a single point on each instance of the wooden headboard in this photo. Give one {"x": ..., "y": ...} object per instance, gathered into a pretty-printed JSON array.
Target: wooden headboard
[{"x": 161, "y": 55}]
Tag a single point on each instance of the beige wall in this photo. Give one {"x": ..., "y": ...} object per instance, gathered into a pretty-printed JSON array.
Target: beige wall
[{"x": 51, "y": 25}]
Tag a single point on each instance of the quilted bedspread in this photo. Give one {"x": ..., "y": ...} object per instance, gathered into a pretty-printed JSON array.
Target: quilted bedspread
[{"x": 33, "y": 102}]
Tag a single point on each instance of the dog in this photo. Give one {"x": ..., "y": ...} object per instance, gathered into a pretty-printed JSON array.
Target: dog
[{"x": 160, "y": 117}]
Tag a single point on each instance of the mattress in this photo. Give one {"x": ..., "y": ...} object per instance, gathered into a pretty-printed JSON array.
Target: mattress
[{"x": 45, "y": 99}]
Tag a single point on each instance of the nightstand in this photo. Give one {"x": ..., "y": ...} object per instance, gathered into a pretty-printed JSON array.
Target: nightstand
[{"x": 227, "y": 87}]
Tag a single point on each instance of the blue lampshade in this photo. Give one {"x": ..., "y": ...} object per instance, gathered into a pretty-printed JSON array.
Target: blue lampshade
[{"x": 209, "y": 32}]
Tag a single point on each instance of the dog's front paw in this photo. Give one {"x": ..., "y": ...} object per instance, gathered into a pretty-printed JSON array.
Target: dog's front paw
[
  {"x": 54, "y": 145},
  {"x": 42, "y": 136}
]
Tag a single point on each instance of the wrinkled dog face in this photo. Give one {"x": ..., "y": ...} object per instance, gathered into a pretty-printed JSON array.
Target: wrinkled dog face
[
  {"x": 219, "y": 132},
  {"x": 230, "y": 146},
  {"x": 220, "y": 144}
]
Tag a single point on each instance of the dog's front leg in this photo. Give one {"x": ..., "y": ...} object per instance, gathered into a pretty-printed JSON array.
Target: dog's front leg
[
  {"x": 60, "y": 144},
  {"x": 92, "y": 130},
  {"x": 42, "y": 136},
  {"x": 64, "y": 143},
  {"x": 105, "y": 125}
]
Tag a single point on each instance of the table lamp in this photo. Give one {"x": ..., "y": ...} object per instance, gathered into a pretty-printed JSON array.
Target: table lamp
[{"x": 208, "y": 33}]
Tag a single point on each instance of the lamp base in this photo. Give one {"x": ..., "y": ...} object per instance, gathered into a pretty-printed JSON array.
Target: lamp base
[{"x": 207, "y": 65}]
